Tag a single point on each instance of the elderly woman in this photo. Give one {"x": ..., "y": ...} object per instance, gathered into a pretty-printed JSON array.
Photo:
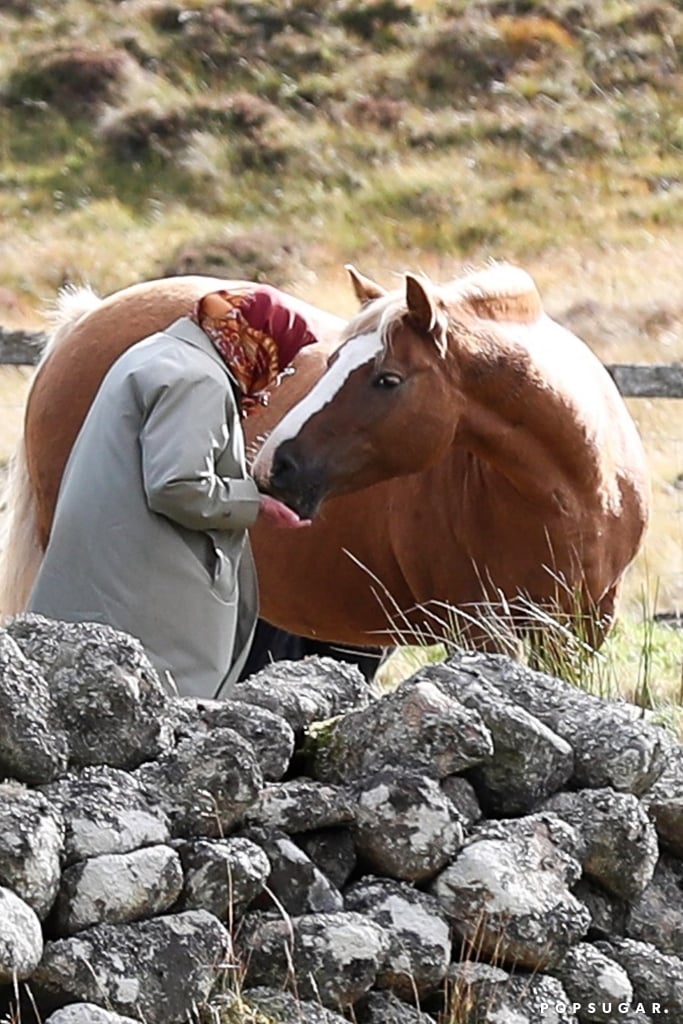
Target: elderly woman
[{"x": 150, "y": 529}]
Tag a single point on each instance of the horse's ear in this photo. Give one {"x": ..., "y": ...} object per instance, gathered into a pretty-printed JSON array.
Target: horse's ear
[
  {"x": 426, "y": 312},
  {"x": 365, "y": 289}
]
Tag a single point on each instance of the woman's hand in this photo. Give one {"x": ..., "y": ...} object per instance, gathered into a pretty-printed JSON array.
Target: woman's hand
[{"x": 276, "y": 513}]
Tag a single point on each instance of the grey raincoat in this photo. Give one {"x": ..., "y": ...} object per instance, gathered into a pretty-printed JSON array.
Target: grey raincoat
[{"x": 149, "y": 533}]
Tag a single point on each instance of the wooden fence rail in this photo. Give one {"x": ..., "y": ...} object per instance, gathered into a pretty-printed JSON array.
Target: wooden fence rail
[
  {"x": 20, "y": 348},
  {"x": 634, "y": 380}
]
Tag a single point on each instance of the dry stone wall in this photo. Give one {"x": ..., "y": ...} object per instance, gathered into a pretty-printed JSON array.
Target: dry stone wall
[{"x": 485, "y": 844}]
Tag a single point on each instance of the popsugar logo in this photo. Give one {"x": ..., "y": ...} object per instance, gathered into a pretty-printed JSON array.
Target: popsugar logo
[{"x": 615, "y": 1009}]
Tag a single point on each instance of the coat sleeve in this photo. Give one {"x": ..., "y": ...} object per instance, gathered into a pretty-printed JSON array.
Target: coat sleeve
[{"x": 185, "y": 429}]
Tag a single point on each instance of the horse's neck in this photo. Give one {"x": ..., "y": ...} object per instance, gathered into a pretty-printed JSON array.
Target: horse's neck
[{"x": 536, "y": 405}]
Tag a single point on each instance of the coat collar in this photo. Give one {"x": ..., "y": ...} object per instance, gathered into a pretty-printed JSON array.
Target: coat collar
[{"x": 187, "y": 330}]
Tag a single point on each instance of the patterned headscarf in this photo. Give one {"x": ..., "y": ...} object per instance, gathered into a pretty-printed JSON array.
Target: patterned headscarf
[{"x": 256, "y": 336}]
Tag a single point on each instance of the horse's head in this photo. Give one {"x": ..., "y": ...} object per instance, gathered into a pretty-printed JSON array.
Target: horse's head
[{"x": 386, "y": 405}]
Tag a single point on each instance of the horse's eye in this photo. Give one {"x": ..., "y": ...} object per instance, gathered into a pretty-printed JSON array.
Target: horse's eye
[{"x": 387, "y": 380}]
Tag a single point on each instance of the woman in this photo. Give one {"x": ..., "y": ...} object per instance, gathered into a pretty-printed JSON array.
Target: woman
[{"x": 149, "y": 533}]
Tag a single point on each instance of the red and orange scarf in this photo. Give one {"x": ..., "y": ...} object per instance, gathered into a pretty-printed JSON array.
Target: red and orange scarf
[{"x": 256, "y": 336}]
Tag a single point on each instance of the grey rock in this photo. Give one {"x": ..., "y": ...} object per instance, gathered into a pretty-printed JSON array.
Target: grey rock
[
  {"x": 206, "y": 784},
  {"x": 105, "y": 810},
  {"x": 157, "y": 970},
  {"x": 334, "y": 957},
  {"x": 417, "y": 728},
  {"x": 621, "y": 1014},
  {"x": 507, "y": 892},
  {"x": 294, "y": 880},
  {"x": 33, "y": 749},
  {"x": 537, "y": 999},
  {"x": 667, "y": 815},
  {"x": 620, "y": 840},
  {"x": 607, "y": 913},
  {"x": 109, "y": 700},
  {"x": 306, "y": 691},
  {"x": 333, "y": 851},
  {"x": 386, "y": 1008},
  {"x": 529, "y": 761},
  {"x": 483, "y": 994},
  {"x": 405, "y": 826},
  {"x": 611, "y": 748},
  {"x": 31, "y": 842},
  {"x": 593, "y": 982},
  {"x": 664, "y": 802},
  {"x": 21, "y": 938},
  {"x": 270, "y": 734},
  {"x": 656, "y": 915},
  {"x": 87, "y": 1013},
  {"x": 286, "y": 1009},
  {"x": 657, "y": 978},
  {"x": 462, "y": 795},
  {"x": 566, "y": 841},
  {"x": 222, "y": 876},
  {"x": 418, "y": 931},
  {"x": 44, "y": 640},
  {"x": 472, "y": 986},
  {"x": 118, "y": 887},
  {"x": 301, "y": 805}
]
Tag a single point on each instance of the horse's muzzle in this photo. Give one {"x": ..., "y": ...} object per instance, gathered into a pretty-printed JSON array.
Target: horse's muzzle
[{"x": 295, "y": 481}]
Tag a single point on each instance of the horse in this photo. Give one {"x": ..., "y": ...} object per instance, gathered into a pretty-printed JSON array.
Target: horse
[
  {"x": 502, "y": 460},
  {"x": 454, "y": 445}
]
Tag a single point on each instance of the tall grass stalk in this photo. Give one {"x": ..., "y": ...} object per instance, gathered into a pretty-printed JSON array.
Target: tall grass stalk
[{"x": 641, "y": 660}]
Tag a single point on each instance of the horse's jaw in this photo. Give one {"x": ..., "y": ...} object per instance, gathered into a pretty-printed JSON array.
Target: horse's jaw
[
  {"x": 306, "y": 504},
  {"x": 302, "y": 488}
]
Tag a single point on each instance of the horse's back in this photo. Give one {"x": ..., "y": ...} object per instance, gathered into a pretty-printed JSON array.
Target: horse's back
[{"x": 74, "y": 367}]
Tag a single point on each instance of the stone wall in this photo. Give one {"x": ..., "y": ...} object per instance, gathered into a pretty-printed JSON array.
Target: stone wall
[{"x": 486, "y": 844}]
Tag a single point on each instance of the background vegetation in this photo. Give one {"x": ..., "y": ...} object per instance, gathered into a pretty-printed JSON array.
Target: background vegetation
[{"x": 279, "y": 140}]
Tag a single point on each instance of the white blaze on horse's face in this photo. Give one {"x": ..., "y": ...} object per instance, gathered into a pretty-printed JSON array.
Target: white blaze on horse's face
[
  {"x": 355, "y": 353},
  {"x": 383, "y": 408}
]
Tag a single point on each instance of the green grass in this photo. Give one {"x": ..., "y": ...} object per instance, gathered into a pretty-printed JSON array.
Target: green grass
[
  {"x": 640, "y": 662},
  {"x": 488, "y": 146}
]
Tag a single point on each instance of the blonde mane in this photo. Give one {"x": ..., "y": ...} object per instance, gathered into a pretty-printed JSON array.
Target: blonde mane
[{"x": 500, "y": 292}]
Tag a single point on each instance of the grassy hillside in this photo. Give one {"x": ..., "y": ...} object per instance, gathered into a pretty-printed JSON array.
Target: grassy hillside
[
  {"x": 279, "y": 140},
  {"x": 145, "y": 136}
]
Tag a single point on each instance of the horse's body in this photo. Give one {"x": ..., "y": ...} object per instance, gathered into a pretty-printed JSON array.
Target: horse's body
[
  {"x": 517, "y": 466},
  {"x": 511, "y": 470}
]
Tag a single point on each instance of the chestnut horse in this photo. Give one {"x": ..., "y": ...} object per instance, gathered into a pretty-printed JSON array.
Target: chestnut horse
[
  {"x": 460, "y": 448},
  {"x": 500, "y": 456}
]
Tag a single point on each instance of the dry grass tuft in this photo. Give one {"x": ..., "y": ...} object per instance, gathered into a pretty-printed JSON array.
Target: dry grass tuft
[
  {"x": 258, "y": 255},
  {"x": 74, "y": 81}
]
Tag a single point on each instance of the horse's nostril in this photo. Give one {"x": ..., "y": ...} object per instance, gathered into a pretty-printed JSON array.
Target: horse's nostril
[{"x": 284, "y": 470}]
